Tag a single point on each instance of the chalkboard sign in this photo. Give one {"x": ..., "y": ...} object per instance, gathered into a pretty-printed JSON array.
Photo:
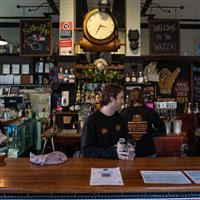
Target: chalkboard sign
[
  {"x": 196, "y": 83},
  {"x": 164, "y": 37},
  {"x": 36, "y": 37}
]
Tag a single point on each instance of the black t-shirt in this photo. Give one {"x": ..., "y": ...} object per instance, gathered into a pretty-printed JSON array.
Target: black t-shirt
[
  {"x": 101, "y": 133},
  {"x": 143, "y": 124}
]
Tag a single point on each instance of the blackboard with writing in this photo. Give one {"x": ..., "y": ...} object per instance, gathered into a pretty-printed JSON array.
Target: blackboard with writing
[
  {"x": 196, "y": 83},
  {"x": 164, "y": 37},
  {"x": 36, "y": 37}
]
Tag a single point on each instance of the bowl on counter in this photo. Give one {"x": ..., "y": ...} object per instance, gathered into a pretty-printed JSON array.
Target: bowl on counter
[{"x": 2, "y": 156}]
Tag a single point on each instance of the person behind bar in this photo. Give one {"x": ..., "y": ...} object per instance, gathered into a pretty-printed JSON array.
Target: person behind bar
[
  {"x": 104, "y": 127},
  {"x": 143, "y": 124}
]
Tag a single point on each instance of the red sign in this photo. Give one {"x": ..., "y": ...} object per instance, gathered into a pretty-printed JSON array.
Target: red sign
[
  {"x": 65, "y": 26},
  {"x": 66, "y": 43}
]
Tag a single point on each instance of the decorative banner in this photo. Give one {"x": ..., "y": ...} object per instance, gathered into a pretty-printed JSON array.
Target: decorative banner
[
  {"x": 65, "y": 38},
  {"x": 36, "y": 37}
]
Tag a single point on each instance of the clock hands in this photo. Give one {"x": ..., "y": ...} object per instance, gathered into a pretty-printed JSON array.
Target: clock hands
[{"x": 99, "y": 28}]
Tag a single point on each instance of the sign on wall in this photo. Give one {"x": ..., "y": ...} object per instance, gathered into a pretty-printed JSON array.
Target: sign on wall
[
  {"x": 164, "y": 37},
  {"x": 36, "y": 37},
  {"x": 65, "y": 38}
]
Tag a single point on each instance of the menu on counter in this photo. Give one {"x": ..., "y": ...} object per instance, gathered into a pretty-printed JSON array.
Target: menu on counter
[
  {"x": 164, "y": 177},
  {"x": 194, "y": 175},
  {"x": 106, "y": 176}
]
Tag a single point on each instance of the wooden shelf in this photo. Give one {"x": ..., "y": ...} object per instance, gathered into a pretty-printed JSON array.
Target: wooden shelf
[
  {"x": 115, "y": 67},
  {"x": 26, "y": 85}
]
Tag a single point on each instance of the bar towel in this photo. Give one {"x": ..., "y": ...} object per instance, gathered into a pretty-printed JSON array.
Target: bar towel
[{"x": 53, "y": 158}]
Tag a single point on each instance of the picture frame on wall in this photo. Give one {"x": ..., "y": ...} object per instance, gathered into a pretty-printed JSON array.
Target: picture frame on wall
[
  {"x": 25, "y": 68},
  {"x": 36, "y": 37},
  {"x": 15, "y": 68},
  {"x": 5, "y": 68}
]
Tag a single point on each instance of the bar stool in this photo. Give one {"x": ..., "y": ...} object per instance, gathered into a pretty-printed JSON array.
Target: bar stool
[{"x": 46, "y": 137}]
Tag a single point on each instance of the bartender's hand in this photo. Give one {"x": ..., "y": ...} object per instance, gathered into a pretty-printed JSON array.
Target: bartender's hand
[
  {"x": 126, "y": 152},
  {"x": 122, "y": 155}
]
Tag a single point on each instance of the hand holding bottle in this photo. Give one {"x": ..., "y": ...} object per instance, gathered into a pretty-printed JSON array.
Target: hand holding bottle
[{"x": 125, "y": 151}]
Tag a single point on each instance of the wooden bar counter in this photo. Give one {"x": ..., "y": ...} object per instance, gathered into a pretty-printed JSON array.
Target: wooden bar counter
[{"x": 72, "y": 177}]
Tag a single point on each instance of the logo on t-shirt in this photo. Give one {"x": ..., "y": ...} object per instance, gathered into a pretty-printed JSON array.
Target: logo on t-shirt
[
  {"x": 104, "y": 131},
  {"x": 118, "y": 127},
  {"x": 137, "y": 127}
]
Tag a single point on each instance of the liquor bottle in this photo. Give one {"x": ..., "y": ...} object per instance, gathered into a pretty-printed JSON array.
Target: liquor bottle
[
  {"x": 189, "y": 110},
  {"x": 83, "y": 94},
  {"x": 66, "y": 76},
  {"x": 133, "y": 77},
  {"x": 140, "y": 78},
  {"x": 127, "y": 78},
  {"x": 60, "y": 75},
  {"x": 127, "y": 100},
  {"x": 78, "y": 95},
  {"x": 196, "y": 107},
  {"x": 72, "y": 77}
]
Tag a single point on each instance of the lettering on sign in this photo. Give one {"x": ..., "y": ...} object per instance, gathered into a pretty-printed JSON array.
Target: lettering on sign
[
  {"x": 182, "y": 90},
  {"x": 196, "y": 83},
  {"x": 36, "y": 37},
  {"x": 164, "y": 37}
]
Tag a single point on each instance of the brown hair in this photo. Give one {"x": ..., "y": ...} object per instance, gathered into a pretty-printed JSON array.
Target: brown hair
[
  {"x": 110, "y": 90},
  {"x": 136, "y": 97}
]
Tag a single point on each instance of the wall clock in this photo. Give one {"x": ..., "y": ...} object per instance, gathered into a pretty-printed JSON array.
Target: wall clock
[{"x": 100, "y": 30}]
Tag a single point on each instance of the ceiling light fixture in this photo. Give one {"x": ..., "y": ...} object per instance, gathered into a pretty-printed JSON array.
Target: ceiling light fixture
[{"x": 3, "y": 41}]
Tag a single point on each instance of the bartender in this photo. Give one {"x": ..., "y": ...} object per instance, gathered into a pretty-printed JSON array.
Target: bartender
[
  {"x": 143, "y": 124},
  {"x": 104, "y": 127}
]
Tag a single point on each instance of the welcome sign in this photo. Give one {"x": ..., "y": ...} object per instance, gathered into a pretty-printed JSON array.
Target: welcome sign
[{"x": 164, "y": 37}]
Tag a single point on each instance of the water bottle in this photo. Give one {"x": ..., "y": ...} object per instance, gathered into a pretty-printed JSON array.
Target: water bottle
[{"x": 121, "y": 144}]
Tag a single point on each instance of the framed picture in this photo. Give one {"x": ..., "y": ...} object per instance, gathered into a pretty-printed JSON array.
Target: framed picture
[
  {"x": 25, "y": 68},
  {"x": 36, "y": 37},
  {"x": 6, "y": 90},
  {"x": 15, "y": 68},
  {"x": 6, "y": 69}
]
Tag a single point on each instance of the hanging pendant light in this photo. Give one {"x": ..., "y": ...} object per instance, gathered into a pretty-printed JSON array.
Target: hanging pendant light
[{"x": 3, "y": 41}]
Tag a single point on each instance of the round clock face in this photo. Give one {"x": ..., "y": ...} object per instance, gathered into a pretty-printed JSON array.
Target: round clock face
[{"x": 100, "y": 26}]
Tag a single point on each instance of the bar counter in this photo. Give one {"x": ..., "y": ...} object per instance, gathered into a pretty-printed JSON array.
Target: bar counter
[{"x": 21, "y": 176}]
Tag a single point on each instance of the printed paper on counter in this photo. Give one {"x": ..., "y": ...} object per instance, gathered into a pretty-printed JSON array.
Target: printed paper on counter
[
  {"x": 106, "y": 176},
  {"x": 194, "y": 175},
  {"x": 164, "y": 177}
]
